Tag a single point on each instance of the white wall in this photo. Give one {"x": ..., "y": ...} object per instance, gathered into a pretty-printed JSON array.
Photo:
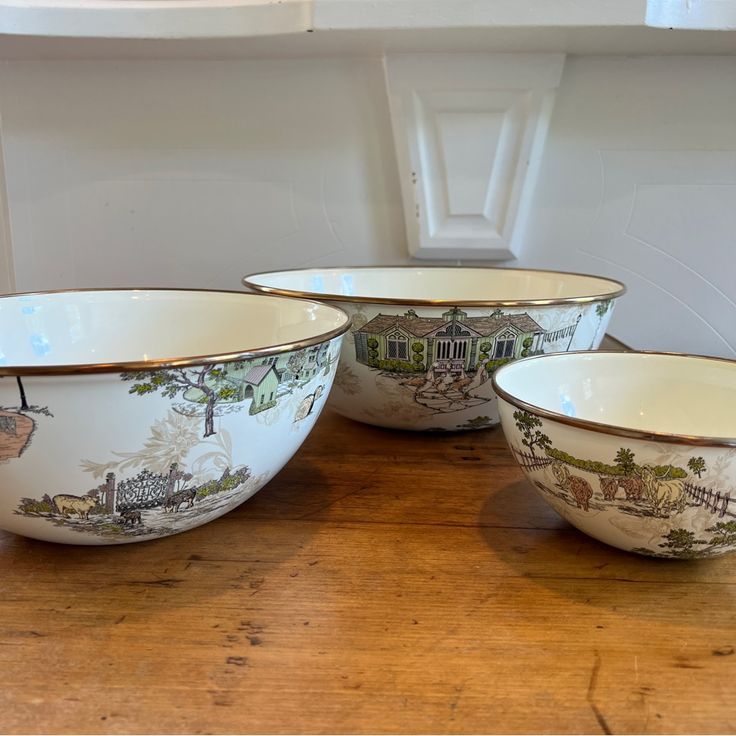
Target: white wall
[
  {"x": 638, "y": 182},
  {"x": 193, "y": 173}
]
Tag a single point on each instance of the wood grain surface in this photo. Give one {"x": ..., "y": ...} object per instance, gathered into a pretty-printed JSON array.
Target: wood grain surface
[{"x": 382, "y": 582}]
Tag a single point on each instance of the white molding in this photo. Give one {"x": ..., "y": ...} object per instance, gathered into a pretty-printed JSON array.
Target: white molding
[
  {"x": 159, "y": 19},
  {"x": 7, "y": 268},
  {"x": 719, "y": 15},
  {"x": 406, "y": 14},
  {"x": 469, "y": 131},
  {"x": 211, "y": 19}
]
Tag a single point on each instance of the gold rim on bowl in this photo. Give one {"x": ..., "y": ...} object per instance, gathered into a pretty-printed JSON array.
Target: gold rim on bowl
[
  {"x": 612, "y": 429},
  {"x": 617, "y": 292},
  {"x": 193, "y": 360}
]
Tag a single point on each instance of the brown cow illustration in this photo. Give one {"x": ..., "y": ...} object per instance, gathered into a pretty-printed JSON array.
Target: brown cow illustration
[{"x": 577, "y": 486}]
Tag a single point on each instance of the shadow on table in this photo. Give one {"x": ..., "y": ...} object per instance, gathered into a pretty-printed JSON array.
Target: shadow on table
[
  {"x": 234, "y": 557},
  {"x": 567, "y": 562}
]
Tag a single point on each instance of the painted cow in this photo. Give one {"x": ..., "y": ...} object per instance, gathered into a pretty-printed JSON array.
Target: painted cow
[
  {"x": 174, "y": 503},
  {"x": 577, "y": 486},
  {"x": 609, "y": 487},
  {"x": 633, "y": 487},
  {"x": 665, "y": 495}
]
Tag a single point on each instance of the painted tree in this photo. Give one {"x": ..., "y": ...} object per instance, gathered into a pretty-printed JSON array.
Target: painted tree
[
  {"x": 602, "y": 308},
  {"x": 23, "y": 400},
  {"x": 696, "y": 465},
  {"x": 682, "y": 542},
  {"x": 725, "y": 534},
  {"x": 373, "y": 349},
  {"x": 625, "y": 461},
  {"x": 529, "y": 425},
  {"x": 295, "y": 364},
  {"x": 208, "y": 383}
]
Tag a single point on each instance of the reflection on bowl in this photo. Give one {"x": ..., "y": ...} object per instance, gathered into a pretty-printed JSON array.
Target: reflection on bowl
[
  {"x": 127, "y": 415},
  {"x": 635, "y": 449},
  {"x": 425, "y": 341}
]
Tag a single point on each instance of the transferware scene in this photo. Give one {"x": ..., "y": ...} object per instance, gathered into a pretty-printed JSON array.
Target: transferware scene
[{"x": 367, "y": 366}]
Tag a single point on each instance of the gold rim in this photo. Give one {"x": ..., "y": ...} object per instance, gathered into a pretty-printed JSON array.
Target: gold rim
[
  {"x": 163, "y": 363},
  {"x": 612, "y": 429},
  {"x": 617, "y": 292}
]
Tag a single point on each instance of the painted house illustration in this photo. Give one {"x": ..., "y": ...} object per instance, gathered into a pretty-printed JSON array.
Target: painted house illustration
[
  {"x": 263, "y": 381},
  {"x": 453, "y": 342},
  {"x": 244, "y": 380}
]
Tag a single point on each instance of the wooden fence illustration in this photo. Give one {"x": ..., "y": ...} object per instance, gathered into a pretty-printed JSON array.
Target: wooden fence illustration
[
  {"x": 713, "y": 500},
  {"x": 530, "y": 461}
]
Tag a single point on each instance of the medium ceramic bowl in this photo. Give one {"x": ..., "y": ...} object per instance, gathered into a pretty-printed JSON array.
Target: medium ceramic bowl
[
  {"x": 425, "y": 341},
  {"x": 127, "y": 415},
  {"x": 635, "y": 449}
]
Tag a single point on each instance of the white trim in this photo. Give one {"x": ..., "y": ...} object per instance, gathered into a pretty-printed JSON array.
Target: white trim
[{"x": 7, "y": 268}]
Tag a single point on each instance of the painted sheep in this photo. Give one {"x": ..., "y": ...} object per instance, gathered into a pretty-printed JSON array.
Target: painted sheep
[{"x": 67, "y": 504}]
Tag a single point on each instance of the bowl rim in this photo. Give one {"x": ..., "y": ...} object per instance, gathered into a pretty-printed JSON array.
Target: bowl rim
[
  {"x": 620, "y": 289},
  {"x": 164, "y": 363},
  {"x": 613, "y": 429}
]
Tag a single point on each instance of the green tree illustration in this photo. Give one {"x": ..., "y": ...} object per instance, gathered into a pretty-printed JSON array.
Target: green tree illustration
[
  {"x": 625, "y": 461},
  {"x": 681, "y": 542},
  {"x": 602, "y": 308},
  {"x": 725, "y": 534},
  {"x": 529, "y": 425},
  {"x": 211, "y": 385},
  {"x": 697, "y": 465},
  {"x": 373, "y": 348}
]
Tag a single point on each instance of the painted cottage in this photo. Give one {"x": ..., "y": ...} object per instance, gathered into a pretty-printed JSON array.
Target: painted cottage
[
  {"x": 453, "y": 342},
  {"x": 263, "y": 381}
]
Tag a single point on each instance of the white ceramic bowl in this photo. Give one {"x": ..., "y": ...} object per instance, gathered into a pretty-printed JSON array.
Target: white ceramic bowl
[
  {"x": 426, "y": 340},
  {"x": 127, "y": 415},
  {"x": 635, "y": 449}
]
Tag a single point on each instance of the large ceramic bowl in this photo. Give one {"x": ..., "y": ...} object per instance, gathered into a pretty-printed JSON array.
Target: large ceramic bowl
[
  {"x": 635, "y": 449},
  {"x": 127, "y": 415},
  {"x": 425, "y": 341}
]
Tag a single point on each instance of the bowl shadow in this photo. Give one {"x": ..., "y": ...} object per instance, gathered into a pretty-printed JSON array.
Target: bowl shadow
[
  {"x": 234, "y": 555},
  {"x": 547, "y": 551}
]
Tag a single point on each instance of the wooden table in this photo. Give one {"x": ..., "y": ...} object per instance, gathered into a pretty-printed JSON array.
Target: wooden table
[{"x": 382, "y": 582}]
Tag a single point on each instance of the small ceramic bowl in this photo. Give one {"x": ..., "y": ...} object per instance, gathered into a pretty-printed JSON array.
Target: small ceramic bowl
[
  {"x": 425, "y": 341},
  {"x": 635, "y": 449},
  {"x": 127, "y": 415}
]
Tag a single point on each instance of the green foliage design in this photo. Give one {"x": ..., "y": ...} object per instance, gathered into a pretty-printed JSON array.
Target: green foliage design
[
  {"x": 494, "y": 365},
  {"x": 625, "y": 461},
  {"x": 625, "y": 465},
  {"x": 696, "y": 465},
  {"x": 533, "y": 437},
  {"x": 399, "y": 366},
  {"x": 603, "y": 307},
  {"x": 227, "y": 482}
]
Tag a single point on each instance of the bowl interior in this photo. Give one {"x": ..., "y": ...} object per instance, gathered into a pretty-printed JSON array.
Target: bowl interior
[
  {"x": 450, "y": 285},
  {"x": 649, "y": 392},
  {"x": 94, "y": 327}
]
